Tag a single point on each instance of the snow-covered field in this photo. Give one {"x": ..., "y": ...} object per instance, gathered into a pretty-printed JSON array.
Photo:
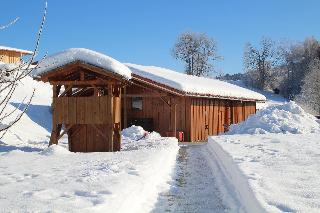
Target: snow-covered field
[
  {"x": 35, "y": 178},
  {"x": 55, "y": 179},
  {"x": 272, "y": 160}
]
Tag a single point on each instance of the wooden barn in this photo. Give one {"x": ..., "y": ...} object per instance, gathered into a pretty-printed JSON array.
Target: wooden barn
[
  {"x": 12, "y": 55},
  {"x": 95, "y": 96},
  {"x": 176, "y": 104}
]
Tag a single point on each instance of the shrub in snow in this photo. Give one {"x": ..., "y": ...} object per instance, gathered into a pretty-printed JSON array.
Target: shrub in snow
[{"x": 285, "y": 118}]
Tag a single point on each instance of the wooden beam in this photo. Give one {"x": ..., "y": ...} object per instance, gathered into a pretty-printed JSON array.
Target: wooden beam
[
  {"x": 85, "y": 82},
  {"x": 66, "y": 91},
  {"x": 168, "y": 104},
  {"x": 55, "y": 90},
  {"x": 142, "y": 95},
  {"x": 81, "y": 75},
  {"x": 99, "y": 131},
  {"x": 64, "y": 132}
]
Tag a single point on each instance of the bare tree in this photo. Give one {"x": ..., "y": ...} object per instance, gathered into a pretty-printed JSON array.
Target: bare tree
[
  {"x": 10, "y": 76},
  {"x": 259, "y": 62},
  {"x": 197, "y": 51},
  {"x": 310, "y": 92},
  {"x": 296, "y": 59}
]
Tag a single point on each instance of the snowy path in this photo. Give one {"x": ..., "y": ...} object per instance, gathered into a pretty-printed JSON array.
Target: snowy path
[{"x": 193, "y": 188}]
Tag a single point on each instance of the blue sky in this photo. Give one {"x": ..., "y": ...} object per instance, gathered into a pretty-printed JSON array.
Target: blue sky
[{"x": 144, "y": 32}]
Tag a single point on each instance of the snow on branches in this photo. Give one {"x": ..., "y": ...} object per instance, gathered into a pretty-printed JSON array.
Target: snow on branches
[{"x": 10, "y": 76}]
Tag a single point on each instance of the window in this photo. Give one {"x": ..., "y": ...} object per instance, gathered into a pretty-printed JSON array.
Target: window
[{"x": 136, "y": 103}]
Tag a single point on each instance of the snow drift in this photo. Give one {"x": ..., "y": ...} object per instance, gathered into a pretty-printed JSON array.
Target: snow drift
[
  {"x": 276, "y": 169},
  {"x": 285, "y": 118},
  {"x": 126, "y": 181},
  {"x": 279, "y": 172}
]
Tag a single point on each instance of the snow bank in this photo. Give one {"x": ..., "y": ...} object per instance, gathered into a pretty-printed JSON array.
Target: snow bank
[
  {"x": 133, "y": 133},
  {"x": 279, "y": 172},
  {"x": 193, "y": 84},
  {"x": 84, "y": 55},
  {"x": 135, "y": 137},
  {"x": 232, "y": 183},
  {"x": 285, "y": 118},
  {"x": 58, "y": 180},
  {"x": 34, "y": 128},
  {"x": 55, "y": 150}
]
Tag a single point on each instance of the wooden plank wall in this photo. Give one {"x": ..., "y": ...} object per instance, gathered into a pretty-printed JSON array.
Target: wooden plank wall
[
  {"x": 90, "y": 138},
  {"x": 161, "y": 113},
  {"x": 212, "y": 116},
  {"x": 9, "y": 56},
  {"x": 196, "y": 117},
  {"x": 207, "y": 118},
  {"x": 83, "y": 110}
]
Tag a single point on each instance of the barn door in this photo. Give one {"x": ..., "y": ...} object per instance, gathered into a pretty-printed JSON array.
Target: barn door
[
  {"x": 200, "y": 117},
  {"x": 91, "y": 120}
]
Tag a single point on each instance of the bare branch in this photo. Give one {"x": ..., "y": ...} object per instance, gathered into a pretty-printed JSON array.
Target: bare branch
[{"x": 9, "y": 24}]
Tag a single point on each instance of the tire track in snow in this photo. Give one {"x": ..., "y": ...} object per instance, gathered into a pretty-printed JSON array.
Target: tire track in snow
[{"x": 193, "y": 187}]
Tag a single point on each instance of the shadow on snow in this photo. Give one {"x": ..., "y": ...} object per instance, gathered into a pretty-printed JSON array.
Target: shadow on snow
[{"x": 40, "y": 114}]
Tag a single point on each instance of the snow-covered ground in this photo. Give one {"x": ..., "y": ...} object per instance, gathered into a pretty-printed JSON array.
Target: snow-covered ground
[
  {"x": 35, "y": 178},
  {"x": 271, "y": 160},
  {"x": 280, "y": 170},
  {"x": 194, "y": 186},
  {"x": 55, "y": 179}
]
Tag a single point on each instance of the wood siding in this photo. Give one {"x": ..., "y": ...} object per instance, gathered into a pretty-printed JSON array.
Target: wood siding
[
  {"x": 83, "y": 110},
  {"x": 90, "y": 138},
  {"x": 10, "y": 56},
  {"x": 196, "y": 117},
  {"x": 168, "y": 112},
  {"x": 214, "y": 116}
]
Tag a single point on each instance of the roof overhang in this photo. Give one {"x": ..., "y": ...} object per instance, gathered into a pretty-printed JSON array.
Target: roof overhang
[
  {"x": 182, "y": 93},
  {"x": 69, "y": 67}
]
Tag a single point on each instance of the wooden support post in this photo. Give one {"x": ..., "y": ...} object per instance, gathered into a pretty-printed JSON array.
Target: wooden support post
[
  {"x": 95, "y": 90},
  {"x": 173, "y": 116},
  {"x": 55, "y": 126},
  {"x": 81, "y": 76},
  {"x": 64, "y": 131},
  {"x": 125, "y": 115},
  {"x": 116, "y": 93},
  {"x": 111, "y": 128}
]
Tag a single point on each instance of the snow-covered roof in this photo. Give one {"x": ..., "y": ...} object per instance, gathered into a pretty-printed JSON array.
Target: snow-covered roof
[
  {"x": 84, "y": 55},
  {"x": 186, "y": 84},
  {"x": 194, "y": 85},
  {"x": 16, "y": 50}
]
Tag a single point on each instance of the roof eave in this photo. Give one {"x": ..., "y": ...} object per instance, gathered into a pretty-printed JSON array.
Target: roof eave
[{"x": 183, "y": 93}]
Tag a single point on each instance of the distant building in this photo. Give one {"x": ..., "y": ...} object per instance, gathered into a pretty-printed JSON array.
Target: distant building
[{"x": 12, "y": 55}]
